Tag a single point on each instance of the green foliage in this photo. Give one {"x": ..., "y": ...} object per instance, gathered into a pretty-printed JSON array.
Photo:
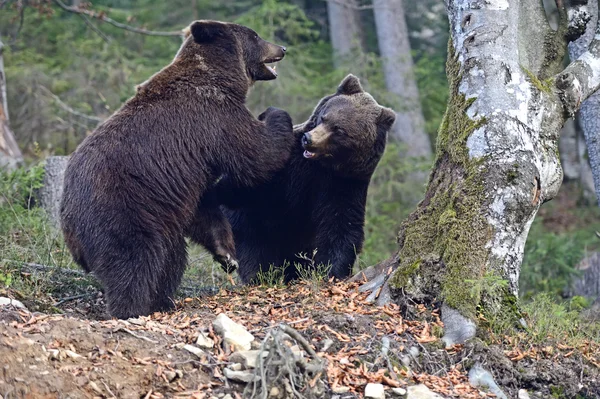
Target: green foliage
[
  {"x": 550, "y": 257},
  {"x": 391, "y": 198},
  {"x": 273, "y": 277},
  {"x": 311, "y": 272},
  {"x": 25, "y": 234},
  {"x": 561, "y": 320}
]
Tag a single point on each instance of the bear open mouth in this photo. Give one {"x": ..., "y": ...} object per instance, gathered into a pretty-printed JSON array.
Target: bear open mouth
[
  {"x": 308, "y": 155},
  {"x": 272, "y": 68}
]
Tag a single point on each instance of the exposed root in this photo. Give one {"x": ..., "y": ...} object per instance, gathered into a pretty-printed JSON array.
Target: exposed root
[{"x": 284, "y": 374}]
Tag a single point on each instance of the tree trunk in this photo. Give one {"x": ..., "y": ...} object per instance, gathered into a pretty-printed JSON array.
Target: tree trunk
[
  {"x": 10, "y": 155},
  {"x": 394, "y": 47},
  {"x": 590, "y": 110},
  {"x": 344, "y": 29},
  {"x": 496, "y": 162}
]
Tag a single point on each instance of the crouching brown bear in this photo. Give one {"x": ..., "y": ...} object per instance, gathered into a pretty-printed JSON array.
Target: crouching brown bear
[
  {"x": 135, "y": 187},
  {"x": 317, "y": 202}
]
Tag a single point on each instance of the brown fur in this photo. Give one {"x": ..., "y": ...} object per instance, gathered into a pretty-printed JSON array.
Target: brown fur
[{"x": 136, "y": 186}]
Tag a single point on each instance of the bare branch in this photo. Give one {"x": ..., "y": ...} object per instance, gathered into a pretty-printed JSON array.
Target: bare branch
[
  {"x": 95, "y": 28},
  {"x": 69, "y": 109},
  {"x": 102, "y": 17}
]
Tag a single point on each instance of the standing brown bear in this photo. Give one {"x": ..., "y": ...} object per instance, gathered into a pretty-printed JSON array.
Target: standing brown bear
[
  {"x": 317, "y": 202},
  {"x": 135, "y": 187}
]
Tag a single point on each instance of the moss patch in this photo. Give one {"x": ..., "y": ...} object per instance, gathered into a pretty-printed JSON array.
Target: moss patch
[
  {"x": 544, "y": 86},
  {"x": 447, "y": 233}
]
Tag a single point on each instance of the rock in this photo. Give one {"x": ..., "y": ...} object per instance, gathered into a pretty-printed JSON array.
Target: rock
[
  {"x": 233, "y": 333},
  {"x": 195, "y": 350},
  {"x": 457, "y": 328},
  {"x": 523, "y": 394},
  {"x": 274, "y": 392},
  {"x": 481, "y": 378},
  {"x": 235, "y": 366},
  {"x": 421, "y": 392},
  {"x": 398, "y": 391},
  {"x": 228, "y": 396},
  {"x": 239, "y": 376},
  {"x": 204, "y": 341},
  {"x": 51, "y": 192},
  {"x": 374, "y": 391},
  {"x": 327, "y": 344},
  {"x": 248, "y": 358},
  {"x": 170, "y": 375},
  {"x": 4, "y": 301}
]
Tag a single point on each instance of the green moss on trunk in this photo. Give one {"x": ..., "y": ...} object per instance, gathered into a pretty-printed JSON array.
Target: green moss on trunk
[{"x": 442, "y": 244}]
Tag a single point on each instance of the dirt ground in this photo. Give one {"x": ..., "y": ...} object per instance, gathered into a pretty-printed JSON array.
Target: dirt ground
[{"x": 83, "y": 354}]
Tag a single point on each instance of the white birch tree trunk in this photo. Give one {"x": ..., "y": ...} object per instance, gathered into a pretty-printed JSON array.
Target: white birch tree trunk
[
  {"x": 10, "y": 155},
  {"x": 394, "y": 47},
  {"x": 497, "y": 161},
  {"x": 589, "y": 114},
  {"x": 344, "y": 29}
]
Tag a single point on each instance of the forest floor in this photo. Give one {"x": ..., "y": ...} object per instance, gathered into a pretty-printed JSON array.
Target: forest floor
[{"x": 72, "y": 349}]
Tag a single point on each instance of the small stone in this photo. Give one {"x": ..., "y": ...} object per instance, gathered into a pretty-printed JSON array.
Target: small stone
[
  {"x": 170, "y": 374},
  {"x": 195, "y": 350},
  {"x": 95, "y": 388},
  {"x": 340, "y": 389},
  {"x": 421, "y": 392},
  {"x": 204, "y": 341},
  {"x": 4, "y": 301},
  {"x": 374, "y": 391},
  {"x": 236, "y": 366},
  {"x": 53, "y": 354},
  {"x": 523, "y": 394},
  {"x": 274, "y": 392},
  {"x": 327, "y": 344},
  {"x": 228, "y": 396},
  {"x": 239, "y": 376},
  {"x": 233, "y": 333},
  {"x": 248, "y": 358},
  {"x": 398, "y": 391}
]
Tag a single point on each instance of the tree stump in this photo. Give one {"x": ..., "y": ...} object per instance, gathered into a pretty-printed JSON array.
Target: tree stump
[{"x": 51, "y": 193}]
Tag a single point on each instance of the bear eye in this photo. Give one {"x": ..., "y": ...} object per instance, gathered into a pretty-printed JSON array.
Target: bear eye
[
  {"x": 256, "y": 37},
  {"x": 339, "y": 130}
]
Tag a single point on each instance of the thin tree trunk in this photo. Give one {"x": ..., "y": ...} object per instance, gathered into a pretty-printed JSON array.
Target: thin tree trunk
[
  {"x": 10, "y": 155},
  {"x": 394, "y": 47},
  {"x": 496, "y": 163},
  {"x": 344, "y": 29},
  {"x": 589, "y": 115}
]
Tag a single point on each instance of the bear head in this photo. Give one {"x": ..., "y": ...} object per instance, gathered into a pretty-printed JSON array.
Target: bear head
[
  {"x": 348, "y": 130},
  {"x": 222, "y": 44}
]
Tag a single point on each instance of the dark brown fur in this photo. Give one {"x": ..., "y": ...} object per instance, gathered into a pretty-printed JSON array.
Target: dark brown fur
[
  {"x": 136, "y": 186},
  {"x": 317, "y": 203}
]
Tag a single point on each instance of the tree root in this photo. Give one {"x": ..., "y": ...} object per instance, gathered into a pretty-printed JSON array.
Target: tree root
[{"x": 283, "y": 374}]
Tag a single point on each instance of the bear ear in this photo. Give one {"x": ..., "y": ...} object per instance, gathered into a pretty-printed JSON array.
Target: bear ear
[
  {"x": 350, "y": 85},
  {"x": 386, "y": 118},
  {"x": 206, "y": 31}
]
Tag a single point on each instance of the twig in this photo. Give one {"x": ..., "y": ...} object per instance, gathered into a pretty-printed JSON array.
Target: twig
[
  {"x": 108, "y": 389},
  {"x": 71, "y": 298},
  {"x": 37, "y": 267},
  {"x": 95, "y": 28},
  {"x": 135, "y": 335},
  {"x": 69, "y": 109},
  {"x": 102, "y": 17},
  {"x": 296, "y": 335}
]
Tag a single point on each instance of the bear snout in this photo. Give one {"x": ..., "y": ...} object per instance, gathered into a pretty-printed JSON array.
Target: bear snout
[{"x": 306, "y": 139}]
